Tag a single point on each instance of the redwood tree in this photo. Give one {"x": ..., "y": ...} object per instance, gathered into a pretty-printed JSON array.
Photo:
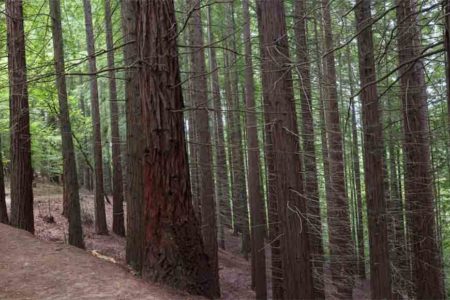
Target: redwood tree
[
  {"x": 174, "y": 252},
  {"x": 135, "y": 187},
  {"x": 3, "y": 211},
  {"x": 200, "y": 100},
  {"x": 100, "y": 216},
  {"x": 257, "y": 211},
  {"x": 380, "y": 273},
  {"x": 340, "y": 238},
  {"x": 427, "y": 263},
  {"x": 68, "y": 152},
  {"x": 285, "y": 168},
  {"x": 309, "y": 149},
  {"x": 21, "y": 170},
  {"x": 118, "y": 219}
]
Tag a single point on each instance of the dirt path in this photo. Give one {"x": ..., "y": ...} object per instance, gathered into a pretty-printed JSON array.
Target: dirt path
[{"x": 34, "y": 269}]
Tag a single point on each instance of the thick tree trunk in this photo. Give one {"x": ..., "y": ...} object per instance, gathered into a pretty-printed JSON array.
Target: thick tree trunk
[
  {"x": 69, "y": 164},
  {"x": 311, "y": 185},
  {"x": 135, "y": 187},
  {"x": 3, "y": 211},
  {"x": 257, "y": 210},
  {"x": 118, "y": 218},
  {"x": 223, "y": 197},
  {"x": 447, "y": 49},
  {"x": 340, "y": 238},
  {"x": 174, "y": 251},
  {"x": 200, "y": 101},
  {"x": 286, "y": 162},
  {"x": 380, "y": 273},
  {"x": 427, "y": 268},
  {"x": 100, "y": 216},
  {"x": 21, "y": 170}
]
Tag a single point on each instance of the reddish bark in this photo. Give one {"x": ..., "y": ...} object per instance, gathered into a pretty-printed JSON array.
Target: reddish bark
[
  {"x": 285, "y": 166},
  {"x": 427, "y": 264},
  {"x": 380, "y": 273},
  {"x": 174, "y": 251},
  {"x": 135, "y": 187},
  {"x": 257, "y": 210},
  {"x": 309, "y": 158},
  {"x": 340, "y": 238},
  {"x": 21, "y": 170}
]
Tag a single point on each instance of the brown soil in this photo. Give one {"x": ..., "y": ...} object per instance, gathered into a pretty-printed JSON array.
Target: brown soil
[
  {"x": 47, "y": 268},
  {"x": 91, "y": 274}
]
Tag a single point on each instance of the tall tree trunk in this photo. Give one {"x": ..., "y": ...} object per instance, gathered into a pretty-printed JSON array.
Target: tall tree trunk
[
  {"x": 427, "y": 268},
  {"x": 174, "y": 251},
  {"x": 118, "y": 218},
  {"x": 21, "y": 170},
  {"x": 309, "y": 149},
  {"x": 284, "y": 150},
  {"x": 100, "y": 216},
  {"x": 200, "y": 101},
  {"x": 380, "y": 273},
  {"x": 254, "y": 178},
  {"x": 135, "y": 187},
  {"x": 357, "y": 183},
  {"x": 3, "y": 211},
  {"x": 340, "y": 238},
  {"x": 239, "y": 192},
  {"x": 447, "y": 61},
  {"x": 223, "y": 197},
  {"x": 69, "y": 164}
]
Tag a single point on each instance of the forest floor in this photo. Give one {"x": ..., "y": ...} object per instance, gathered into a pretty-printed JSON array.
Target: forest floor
[{"x": 43, "y": 268}]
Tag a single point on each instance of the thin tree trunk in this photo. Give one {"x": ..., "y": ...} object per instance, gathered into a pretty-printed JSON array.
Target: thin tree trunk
[
  {"x": 222, "y": 192},
  {"x": 357, "y": 182},
  {"x": 284, "y": 150},
  {"x": 427, "y": 268},
  {"x": 340, "y": 238},
  {"x": 135, "y": 187},
  {"x": 3, "y": 211},
  {"x": 68, "y": 152},
  {"x": 239, "y": 192},
  {"x": 100, "y": 216},
  {"x": 174, "y": 252},
  {"x": 447, "y": 61},
  {"x": 254, "y": 178},
  {"x": 21, "y": 170},
  {"x": 309, "y": 149},
  {"x": 118, "y": 218},
  {"x": 380, "y": 273},
  {"x": 200, "y": 101}
]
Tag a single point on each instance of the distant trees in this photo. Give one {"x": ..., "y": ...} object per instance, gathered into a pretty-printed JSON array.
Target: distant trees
[{"x": 317, "y": 111}]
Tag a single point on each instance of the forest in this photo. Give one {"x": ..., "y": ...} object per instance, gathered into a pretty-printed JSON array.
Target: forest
[{"x": 233, "y": 149}]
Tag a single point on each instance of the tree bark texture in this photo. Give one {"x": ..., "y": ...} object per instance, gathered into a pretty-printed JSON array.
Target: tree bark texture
[
  {"x": 427, "y": 268},
  {"x": 69, "y": 164},
  {"x": 380, "y": 272},
  {"x": 118, "y": 217},
  {"x": 22, "y": 215},
  {"x": 100, "y": 215},
  {"x": 174, "y": 252},
  {"x": 284, "y": 149}
]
